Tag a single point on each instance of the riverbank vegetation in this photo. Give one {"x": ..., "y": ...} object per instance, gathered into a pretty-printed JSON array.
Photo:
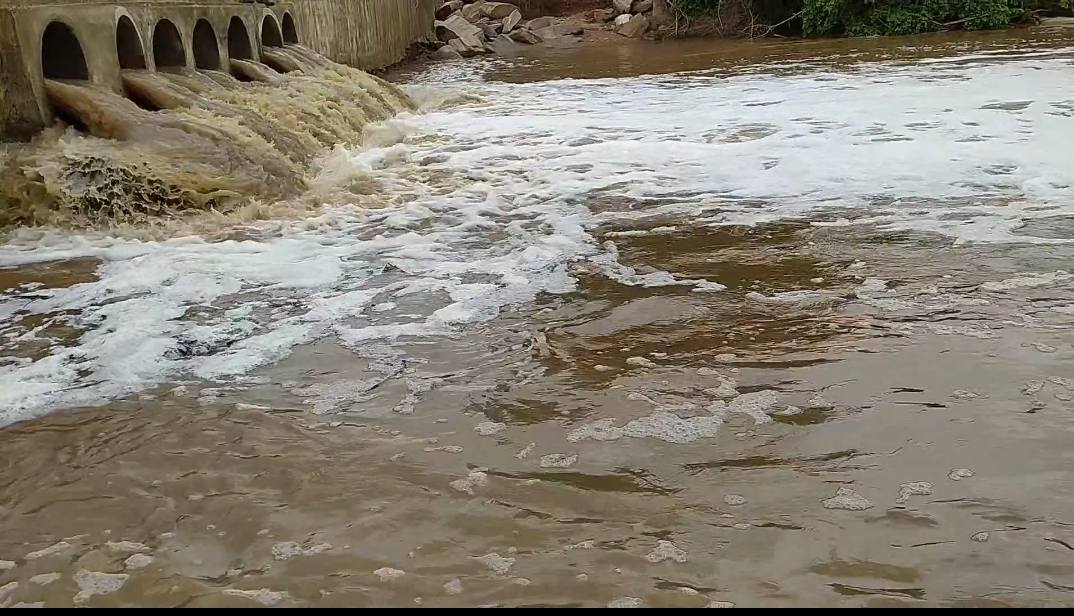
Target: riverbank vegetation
[{"x": 863, "y": 17}]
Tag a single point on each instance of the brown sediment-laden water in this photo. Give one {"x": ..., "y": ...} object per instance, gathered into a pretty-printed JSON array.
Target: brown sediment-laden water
[{"x": 683, "y": 324}]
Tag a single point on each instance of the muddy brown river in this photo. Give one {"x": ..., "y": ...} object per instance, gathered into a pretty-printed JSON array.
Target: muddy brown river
[{"x": 684, "y": 324}]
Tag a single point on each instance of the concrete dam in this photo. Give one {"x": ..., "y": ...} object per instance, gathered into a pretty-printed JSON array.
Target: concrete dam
[{"x": 96, "y": 41}]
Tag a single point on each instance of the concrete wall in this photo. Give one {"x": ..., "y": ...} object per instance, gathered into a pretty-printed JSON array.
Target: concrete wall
[{"x": 368, "y": 34}]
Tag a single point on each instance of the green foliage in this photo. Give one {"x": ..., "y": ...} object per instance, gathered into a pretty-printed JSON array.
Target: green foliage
[{"x": 884, "y": 17}]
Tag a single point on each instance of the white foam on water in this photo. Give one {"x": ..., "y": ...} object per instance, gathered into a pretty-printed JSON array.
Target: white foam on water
[
  {"x": 264, "y": 596},
  {"x": 489, "y": 204},
  {"x": 499, "y": 565},
  {"x": 91, "y": 583},
  {"x": 666, "y": 550}
]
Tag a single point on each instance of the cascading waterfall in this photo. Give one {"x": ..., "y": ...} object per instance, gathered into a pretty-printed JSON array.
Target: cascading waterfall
[{"x": 189, "y": 140}]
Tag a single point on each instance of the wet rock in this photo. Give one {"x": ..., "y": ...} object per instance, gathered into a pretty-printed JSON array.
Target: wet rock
[
  {"x": 914, "y": 488},
  {"x": 625, "y": 602},
  {"x": 640, "y": 362},
  {"x": 455, "y": 28},
  {"x": 642, "y": 6},
  {"x": 499, "y": 565},
  {"x": 498, "y": 10},
  {"x": 454, "y": 587},
  {"x": 491, "y": 31},
  {"x": 489, "y": 428},
  {"x": 558, "y": 460},
  {"x": 6, "y": 565},
  {"x": 388, "y": 574},
  {"x": 720, "y": 604},
  {"x": 472, "y": 12},
  {"x": 981, "y": 537},
  {"x": 448, "y": 8},
  {"x": 511, "y": 22},
  {"x": 735, "y": 500},
  {"x": 666, "y": 550},
  {"x": 847, "y": 500},
  {"x": 464, "y": 50},
  {"x": 92, "y": 583},
  {"x": 622, "y": 6},
  {"x": 525, "y": 36},
  {"x": 540, "y": 23}
]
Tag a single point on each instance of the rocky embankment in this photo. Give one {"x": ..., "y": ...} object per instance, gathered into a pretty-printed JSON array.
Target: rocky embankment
[{"x": 473, "y": 27}]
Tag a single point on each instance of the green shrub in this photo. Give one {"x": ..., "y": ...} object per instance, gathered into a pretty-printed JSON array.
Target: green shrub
[{"x": 883, "y": 17}]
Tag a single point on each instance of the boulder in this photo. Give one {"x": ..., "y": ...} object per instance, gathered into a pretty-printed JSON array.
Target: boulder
[
  {"x": 601, "y": 16},
  {"x": 448, "y": 8},
  {"x": 473, "y": 12},
  {"x": 559, "y": 30},
  {"x": 455, "y": 28},
  {"x": 491, "y": 31},
  {"x": 505, "y": 41},
  {"x": 525, "y": 36},
  {"x": 447, "y": 52},
  {"x": 511, "y": 21},
  {"x": 622, "y": 20},
  {"x": 464, "y": 50},
  {"x": 540, "y": 22},
  {"x": 642, "y": 6},
  {"x": 622, "y": 6},
  {"x": 634, "y": 27},
  {"x": 498, "y": 10}
]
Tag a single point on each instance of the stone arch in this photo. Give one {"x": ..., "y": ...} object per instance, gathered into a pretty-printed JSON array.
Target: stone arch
[
  {"x": 270, "y": 32},
  {"x": 129, "y": 45},
  {"x": 61, "y": 53},
  {"x": 290, "y": 33},
  {"x": 238, "y": 41},
  {"x": 206, "y": 49},
  {"x": 168, "y": 48}
]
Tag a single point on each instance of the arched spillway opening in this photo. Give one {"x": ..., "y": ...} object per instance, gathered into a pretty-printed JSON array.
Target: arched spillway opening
[
  {"x": 238, "y": 41},
  {"x": 290, "y": 33},
  {"x": 62, "y": 58},
  {"x": 206, "y": 50},
  {"x": 272, "y": 47},
  {"x": 129, "y": 45},
  {"x": 168, "y": 49},
  {"x": 61, "y": 53},
  {"x": 241, "y": 52},
  {"x": 270, "y": 32}
]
